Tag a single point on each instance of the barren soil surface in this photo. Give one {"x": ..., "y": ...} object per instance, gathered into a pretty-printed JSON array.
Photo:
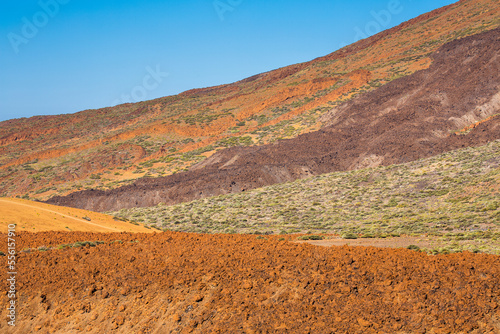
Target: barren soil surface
[
  {"x": 33, "y": 216},
  {"x": 181, "y": 283},
  {"x": 391, "y": 242}
]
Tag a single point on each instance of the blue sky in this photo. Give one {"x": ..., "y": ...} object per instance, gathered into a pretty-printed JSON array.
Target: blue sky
[{"x": 64, "y": 56}]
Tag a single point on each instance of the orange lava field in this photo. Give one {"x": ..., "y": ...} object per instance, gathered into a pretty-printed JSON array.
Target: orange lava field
[{"x": 188, "y": 283}]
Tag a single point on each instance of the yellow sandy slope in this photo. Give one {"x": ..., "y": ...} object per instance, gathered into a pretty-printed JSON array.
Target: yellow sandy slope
[{"x": 37, "y": 217}]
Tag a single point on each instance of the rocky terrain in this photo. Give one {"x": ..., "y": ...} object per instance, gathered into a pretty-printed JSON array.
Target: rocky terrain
[
  {"x": 190, "y": 283},
  {"x": 392, "y": 141},
  {"x": 413, "y": 117}
]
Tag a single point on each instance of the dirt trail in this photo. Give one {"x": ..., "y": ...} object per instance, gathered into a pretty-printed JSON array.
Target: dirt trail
[{"x": 390, "y": 242}]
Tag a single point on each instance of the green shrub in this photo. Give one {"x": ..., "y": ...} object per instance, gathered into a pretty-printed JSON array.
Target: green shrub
[
  {"x": 311, "y": 237},
  {"x": 392, "y": 203},
  {"x": 413, "y": 247},
  {"x": 349, "y": 236}
]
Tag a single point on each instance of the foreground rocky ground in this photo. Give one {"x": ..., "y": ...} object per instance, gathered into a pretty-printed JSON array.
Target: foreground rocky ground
[{"x": 181, "y": 283}]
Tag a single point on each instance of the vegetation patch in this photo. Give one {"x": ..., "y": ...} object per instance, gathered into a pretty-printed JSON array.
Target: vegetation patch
[{"x": 453, "y": 196}]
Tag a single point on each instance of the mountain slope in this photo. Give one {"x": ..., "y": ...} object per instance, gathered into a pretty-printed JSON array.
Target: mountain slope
[
  {"x": 409, "y": 118},
  {"x": 110, "y": 147},
  {"x": 39, "y": 217},
  {"x": 454, "y": 195}
]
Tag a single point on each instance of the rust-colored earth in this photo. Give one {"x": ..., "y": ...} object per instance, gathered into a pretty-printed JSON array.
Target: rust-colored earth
[
  {"x": 189, "y": 283},
  {"x": 33, "y": 216},
  {"x": 83, "y": 282}
]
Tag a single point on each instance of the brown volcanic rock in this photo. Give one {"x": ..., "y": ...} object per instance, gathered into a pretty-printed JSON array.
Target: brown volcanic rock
[
  {"x": 407, "y": 119},
  {"x": 46, "y": 156},
  {"x": 177, "y": 282}
]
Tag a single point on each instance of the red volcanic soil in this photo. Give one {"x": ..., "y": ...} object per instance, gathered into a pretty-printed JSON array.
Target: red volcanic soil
[
  {"x": 188, "y": 283},
  {"x": 407, "y": 119}
]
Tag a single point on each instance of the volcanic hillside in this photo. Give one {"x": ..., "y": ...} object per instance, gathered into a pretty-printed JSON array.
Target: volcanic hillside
[
  {"x": 420, "y": 115},
  {"x": 446, "y": 203},
  {"x": 35, "y": 217},
  {"x": 107, "y": 148}
]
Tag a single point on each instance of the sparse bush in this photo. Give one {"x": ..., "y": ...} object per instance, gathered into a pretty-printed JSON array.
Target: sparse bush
[
  {"x": 311, "y": 237},
  {"x": 413, "y": 247},
  {"x": 377, "y": 202},
  {"x": 392, "y": 203}
]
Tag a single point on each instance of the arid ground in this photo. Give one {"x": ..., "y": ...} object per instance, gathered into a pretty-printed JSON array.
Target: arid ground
[
  {"x": 190, "y": 283},
  {"x": 354, "y": 193}
]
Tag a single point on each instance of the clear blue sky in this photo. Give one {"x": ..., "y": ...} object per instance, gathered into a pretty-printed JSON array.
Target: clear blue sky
[{"x": 64, "y": 56}]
